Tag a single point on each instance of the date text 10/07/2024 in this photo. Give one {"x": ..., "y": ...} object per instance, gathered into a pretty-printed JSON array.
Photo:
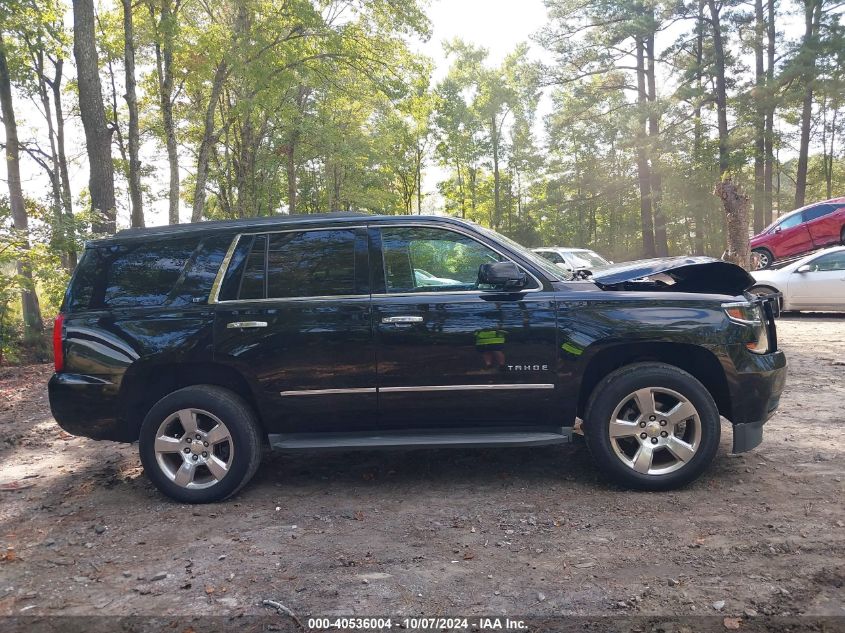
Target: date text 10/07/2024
[{"x": 359, "y": 623}]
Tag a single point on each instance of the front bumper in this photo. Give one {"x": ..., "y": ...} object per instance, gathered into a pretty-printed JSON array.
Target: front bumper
[
  {"x": 756, "y": 385},
  {"x": 87, "y": 406}
]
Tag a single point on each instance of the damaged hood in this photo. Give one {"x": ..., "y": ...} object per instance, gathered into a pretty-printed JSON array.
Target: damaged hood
[{"x": 705, "y": 275}]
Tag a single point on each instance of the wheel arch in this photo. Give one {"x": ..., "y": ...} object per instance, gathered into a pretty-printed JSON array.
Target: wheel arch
[
  {"x": 143, "y": 386},
  {"x": 693, "y": 359}
]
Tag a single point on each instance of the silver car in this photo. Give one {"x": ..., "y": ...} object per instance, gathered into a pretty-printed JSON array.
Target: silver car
[
  {"x": 814, "y": 282},
  {"x": 572, "y": 259}
]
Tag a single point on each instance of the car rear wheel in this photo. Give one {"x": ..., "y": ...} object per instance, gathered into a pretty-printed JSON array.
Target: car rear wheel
[
  {"x": 764, "y": 257},
  {"x": 200, "y": 444},
  {"x": 652, "y": 426}
]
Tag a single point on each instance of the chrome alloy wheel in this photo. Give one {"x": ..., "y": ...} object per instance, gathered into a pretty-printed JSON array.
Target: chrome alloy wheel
[
  {"x": 193, "y": 448},
  {"x": 655, "y": 431}
]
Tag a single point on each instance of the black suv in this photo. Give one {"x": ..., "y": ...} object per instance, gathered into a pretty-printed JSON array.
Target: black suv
[{"x": 346, "y": 331}]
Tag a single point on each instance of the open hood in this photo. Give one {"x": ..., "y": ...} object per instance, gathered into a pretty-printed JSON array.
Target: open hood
[{"x": 704, "y": 275}]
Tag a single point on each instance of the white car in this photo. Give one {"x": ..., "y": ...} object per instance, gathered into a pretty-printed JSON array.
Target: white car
[
  {"x": 814, "y": 282},
  {"x": 424, "y": 279},
  {"x": 572, "y": 259}
]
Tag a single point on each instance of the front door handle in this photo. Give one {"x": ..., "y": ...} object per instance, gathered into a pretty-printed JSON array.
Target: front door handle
[
  {"x": 245, "y": 324},
  {"x": 402, "y": 320}
]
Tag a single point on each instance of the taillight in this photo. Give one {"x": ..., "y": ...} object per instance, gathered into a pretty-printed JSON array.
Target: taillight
[
  {"x": 58, "y": 340},
  {"x": 750, "y": 315}
]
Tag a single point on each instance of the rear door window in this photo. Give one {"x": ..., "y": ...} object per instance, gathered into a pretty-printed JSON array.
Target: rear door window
[
  {"x": 293, "y": 264},
  {"x": 817, "y": 212}
]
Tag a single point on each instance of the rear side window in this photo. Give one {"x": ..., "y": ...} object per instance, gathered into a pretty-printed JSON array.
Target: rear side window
[
  {"x": 129, "y": 275},
  {"x": 295, "y": 264}
]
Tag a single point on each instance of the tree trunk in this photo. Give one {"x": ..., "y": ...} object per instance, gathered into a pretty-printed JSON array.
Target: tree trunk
[
  {"x": 643, "y": 171},
  {"x": 93, "y": 114},
  {"x": 57, "y": 232},
  {"x": 209, "y": 137},
  {"x": 165, "y": 35},
  {"x": 760, "y": 119},
  {"x": 698, "y": 131},
  {"x": 29, "y": 300},
  {"x": 137, "y": 210},
  {"x": 67, "y": 201},
  {"x": 812, "y": 20},
  {"x": 494, "y": 137},
  {"x": 661, "y": 244},
  {"x": 721, "y": 91},
  {"x": 769, "y": 138},
  {"x": 735, "y": 204}
]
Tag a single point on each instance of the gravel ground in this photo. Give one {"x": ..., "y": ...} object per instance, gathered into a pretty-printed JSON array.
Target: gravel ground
[{"x": 503, "y": 531}]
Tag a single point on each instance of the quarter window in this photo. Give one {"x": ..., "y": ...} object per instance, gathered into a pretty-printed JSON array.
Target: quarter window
[
  {"x": 141, "y": 274},
  {"x": 421, "y": 259}
]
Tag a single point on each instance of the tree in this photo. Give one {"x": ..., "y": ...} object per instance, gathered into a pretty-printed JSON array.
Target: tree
[
  {"x": 137, "y": 211},
  {"x": 29, "y": 298},
  {"x": 92, "y": 112}
]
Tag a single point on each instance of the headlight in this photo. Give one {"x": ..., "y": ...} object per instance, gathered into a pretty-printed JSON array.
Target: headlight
[{"x": 751, "y": 316}]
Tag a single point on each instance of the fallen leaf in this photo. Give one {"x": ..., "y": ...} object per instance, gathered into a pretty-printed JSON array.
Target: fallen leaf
[
  {"x": 468, "y": 555},
  {"x": 732, "y": 623},
  {"x": 209, "y": 590},
  {"x": 359, "y": 516},
  {"x": 11, "y": 486}
]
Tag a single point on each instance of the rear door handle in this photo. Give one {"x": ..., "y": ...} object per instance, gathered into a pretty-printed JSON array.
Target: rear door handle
[
  {"x": 402, "y": 320},
  {"x": 245, "y": 324}
]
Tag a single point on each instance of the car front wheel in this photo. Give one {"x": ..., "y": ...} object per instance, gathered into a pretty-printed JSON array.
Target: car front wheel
[
  {"x": 652, "y": 426},
  {"x": 200, "y": 444}
]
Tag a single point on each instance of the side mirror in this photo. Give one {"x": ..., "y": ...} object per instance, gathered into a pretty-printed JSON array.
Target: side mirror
[
  {"x": 502, "y": 276},
  {"x": 803, "y": 269},
  {"x": 778, "y": 229},
  {"x": 564, "y": 265}
]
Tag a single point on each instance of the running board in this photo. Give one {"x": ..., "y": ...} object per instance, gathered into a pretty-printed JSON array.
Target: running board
[{"x": 429, "y": 438}]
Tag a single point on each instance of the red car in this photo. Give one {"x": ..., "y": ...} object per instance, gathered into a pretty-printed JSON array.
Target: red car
[{"x": 808, "y": 228}]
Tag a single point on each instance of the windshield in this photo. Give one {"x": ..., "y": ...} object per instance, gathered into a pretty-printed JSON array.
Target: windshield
[
  {"x": 591, "y": 259},
  {"x": 555, "y": 272}
]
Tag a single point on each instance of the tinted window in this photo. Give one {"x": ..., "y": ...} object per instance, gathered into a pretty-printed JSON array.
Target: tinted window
[
  {"x": 432, "y": 260},
  {"x": 551, "y": 256},
  {"x": 818, "y": 212},
  {"x": 311, "y": 264},
  {"x": 201, "y": 271},
  {"x": 831, "y": 261},
  {"x": 793, "y": 220},
  {"x": 144, "y": 274},
  {"x": 252, "y": 282}
]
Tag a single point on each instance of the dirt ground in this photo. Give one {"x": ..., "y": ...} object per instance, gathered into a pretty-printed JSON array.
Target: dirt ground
[{"x": 502, "y": 531}]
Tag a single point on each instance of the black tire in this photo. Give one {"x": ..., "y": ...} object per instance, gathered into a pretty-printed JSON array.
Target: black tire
[
  {"x": 244, "y": 441},
  {"x": 614, "y": 390},
  {"x": 766, "y": 257}
]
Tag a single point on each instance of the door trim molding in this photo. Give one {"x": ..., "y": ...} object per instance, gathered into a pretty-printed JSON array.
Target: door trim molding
[
  {"x": 511, "y": 386},
  {"x": 327, "y": 392},
  {"x": 417, "y": 388}
]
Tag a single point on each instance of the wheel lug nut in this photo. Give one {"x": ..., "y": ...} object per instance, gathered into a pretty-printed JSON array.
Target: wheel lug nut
[
  {"x": 187, "y": 439},
  {"x": 643, "y": 435},
  {"x": 195, "y": 457},
  {"x": 187, "y": 450},
  {"x": 664, "y": 434},
  {"x": 654, "y": 440},
  {"x": 642, "y": 424},
  {"x": 205, "y": 443},
  {"x": 204, "y": 454},
  {"x": 662, "y": 422},
  {"x": 652, "y": 418},
  {"x": 198, "y": 435}
]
